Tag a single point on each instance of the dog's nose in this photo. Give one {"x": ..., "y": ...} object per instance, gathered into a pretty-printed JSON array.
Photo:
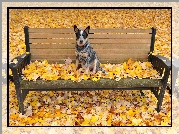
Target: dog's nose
[{"x": 81, "y": 41}]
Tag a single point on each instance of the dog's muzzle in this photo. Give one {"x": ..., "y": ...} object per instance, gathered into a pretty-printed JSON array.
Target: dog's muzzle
[{"x": 81, "y": 41}]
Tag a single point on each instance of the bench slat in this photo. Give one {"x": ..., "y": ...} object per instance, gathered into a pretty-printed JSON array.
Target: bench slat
[
  {"x": 126, "y": 41},
  {"x": 98, "y": 30},
  {"x": 98, "y": 51},
  {"x": 95, "y": 46},
  {"x": 116, "y": 30},
  {"x": 111, "y": 36},
  {"x": 101, "y": 56},
  {"x": 51, "y": 30},
  {"x": 89, "y": 84}
]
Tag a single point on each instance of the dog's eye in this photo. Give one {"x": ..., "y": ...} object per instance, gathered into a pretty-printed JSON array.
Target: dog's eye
[{"x": 83, "y": 34}]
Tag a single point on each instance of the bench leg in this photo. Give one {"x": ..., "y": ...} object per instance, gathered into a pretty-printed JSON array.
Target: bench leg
[
  {"x": 19, "y": 97},
  {"x": 160, "y": 99},
  {"x": 24, "y": 94},
  {"x": 155, "y": 91}
]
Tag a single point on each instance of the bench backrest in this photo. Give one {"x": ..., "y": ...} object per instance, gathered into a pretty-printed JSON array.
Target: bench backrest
[{"x": 111, "y": 45}]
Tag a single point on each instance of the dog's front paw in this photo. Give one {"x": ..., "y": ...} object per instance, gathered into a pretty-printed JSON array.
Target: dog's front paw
[
  {"x": 93, "y": 72},
  {"x": 86, "y": 65},
  {"x": 87, "y": 72}
]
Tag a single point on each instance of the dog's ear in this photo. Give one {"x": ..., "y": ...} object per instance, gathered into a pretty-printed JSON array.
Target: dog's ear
[
  {"x": 87, "y": 29},
  {"x": 75, "y": 29}
]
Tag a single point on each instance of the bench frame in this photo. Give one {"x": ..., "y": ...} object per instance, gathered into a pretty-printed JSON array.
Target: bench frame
[{"x": 159, "y": 63}]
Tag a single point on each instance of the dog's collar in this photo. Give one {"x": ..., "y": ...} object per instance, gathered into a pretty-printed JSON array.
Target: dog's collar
[
  {"x": 82, "y": 48},
  {"x": 87, "y": 45}
]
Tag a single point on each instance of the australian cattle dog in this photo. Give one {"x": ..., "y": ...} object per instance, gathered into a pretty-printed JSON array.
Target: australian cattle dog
[{"x": 86, "y": 57}]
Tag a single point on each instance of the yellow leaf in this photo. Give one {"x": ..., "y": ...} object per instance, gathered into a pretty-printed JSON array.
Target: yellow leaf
[
  {"x": 65, "y": 77},
  {"x": 93, "y": 119},
  {"x": 144, "y": 109},
  {"x": 139, "y": 67},
  {"x": 30, "y": 77},
  {"x": 117, "y": 70},
  {"x": 55, "y": 77},
  {"x": 86, "y": 123},
  {"x": 143, "y": 99},
  {"x": 51, "y": 93},
  {"x": 123, "y": 116},
  {"x": 109, "y": 122},
  {"x": 110, "y": 75},
  {"x": 10, "y": 72},
  {"x": 132, "y": 73},
  {"x": 131, "y": 113},
  {"x": 72, "y": 78},
  {"x": 34, "y": 103},
  {"x": 128, "y": 71},
  {"x": 148, "y": 64},
  {"x": 95, "y": 79},
  {"x": 129, "y": 62},
  {"x": 85, "y": 77},
  {"x": 73, "y": 65},
  {"x": 125, "y": 65},
  {"x": 136, "y": 122},
  {"x": 163, "y": 123}
]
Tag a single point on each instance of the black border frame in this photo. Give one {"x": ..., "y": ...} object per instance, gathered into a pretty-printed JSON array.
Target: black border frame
[{"x": 8, "y": 8}]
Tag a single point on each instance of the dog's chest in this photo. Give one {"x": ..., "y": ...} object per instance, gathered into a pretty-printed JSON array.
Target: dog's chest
[{"x": 85, "y": 53}]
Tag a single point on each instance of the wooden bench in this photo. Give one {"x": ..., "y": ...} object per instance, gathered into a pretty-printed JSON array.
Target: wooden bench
[{"x": 111, "y": 45}]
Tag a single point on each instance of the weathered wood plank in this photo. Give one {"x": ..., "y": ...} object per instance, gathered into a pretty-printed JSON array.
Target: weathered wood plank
[
  {"x": 100, "y": 84},
  {"x": 117, "y": 30},
  {"x": 98, "y": 30},
  {"x": 98, "y": 51},
  {"x": 91, "y": 36},
  {"x": 51, "y": 30},
  {"x": 95, "y": 46},
  {"x": 111, "y": 41}
]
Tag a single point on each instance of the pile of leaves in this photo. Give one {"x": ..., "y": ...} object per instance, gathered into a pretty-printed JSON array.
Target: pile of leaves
[{"x": 130, "y": 69}]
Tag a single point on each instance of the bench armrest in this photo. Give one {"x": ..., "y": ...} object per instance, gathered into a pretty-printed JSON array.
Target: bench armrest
[
  {"x": 21, "y": 60},
  {"x": 162, "y": 65},
  {"x": 17, "y": 64}
]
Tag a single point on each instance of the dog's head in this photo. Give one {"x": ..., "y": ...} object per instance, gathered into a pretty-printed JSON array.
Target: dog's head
[{"x": 81, "y": 35}]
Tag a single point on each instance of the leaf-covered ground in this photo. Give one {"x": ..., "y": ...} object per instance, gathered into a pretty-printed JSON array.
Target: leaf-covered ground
[{"x": 91, "y": 108}]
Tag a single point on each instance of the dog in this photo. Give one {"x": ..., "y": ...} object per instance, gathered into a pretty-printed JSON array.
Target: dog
[{"x": 86, "y": 57}]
